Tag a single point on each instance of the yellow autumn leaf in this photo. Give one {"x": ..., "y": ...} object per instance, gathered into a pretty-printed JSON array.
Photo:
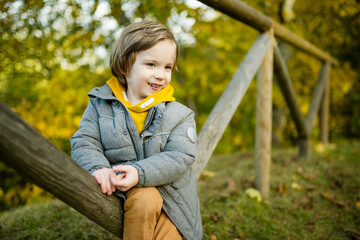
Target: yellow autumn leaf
[
  {"x": 296, "y": 186},
  {"x": 253, "y": 193},
  {"x": 210, "y": 174},
  {"x": 327, "y": 195},
  {"x": 320, "y": 148},
  {"x": 213, "y": 237}
]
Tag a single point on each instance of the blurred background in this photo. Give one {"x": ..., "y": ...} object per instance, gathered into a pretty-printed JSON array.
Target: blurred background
[{"x": 52, "y": 53}]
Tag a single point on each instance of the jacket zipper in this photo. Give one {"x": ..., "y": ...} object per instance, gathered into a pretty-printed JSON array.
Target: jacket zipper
[{"x": 150, "y": 120}]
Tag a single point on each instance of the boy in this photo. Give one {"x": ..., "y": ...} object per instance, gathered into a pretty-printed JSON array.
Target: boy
[{"x": 138, "y": 142}]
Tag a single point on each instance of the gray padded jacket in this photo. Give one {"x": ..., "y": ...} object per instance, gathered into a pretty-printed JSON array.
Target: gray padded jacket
[{"x": 163, "y": 152}]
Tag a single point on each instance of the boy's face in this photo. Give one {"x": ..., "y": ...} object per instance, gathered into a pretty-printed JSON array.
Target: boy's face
[{"x": 151, "y": 71}]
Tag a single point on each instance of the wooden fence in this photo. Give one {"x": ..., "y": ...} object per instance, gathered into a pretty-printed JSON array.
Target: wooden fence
[
  {"x": 264, "y": 56},
  {"x": 34, "y": 157}
]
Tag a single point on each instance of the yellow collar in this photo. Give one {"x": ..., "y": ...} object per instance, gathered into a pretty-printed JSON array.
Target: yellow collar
[{"x": 165, "y": 95}]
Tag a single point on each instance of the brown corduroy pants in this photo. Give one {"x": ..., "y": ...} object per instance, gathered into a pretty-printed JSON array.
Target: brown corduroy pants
[{"x": 144, "y": 218}]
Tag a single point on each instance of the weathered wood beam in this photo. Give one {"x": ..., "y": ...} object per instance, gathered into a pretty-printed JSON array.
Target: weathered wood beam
[
  {"x": 317, "y": 97},
  {"x": 287, "y": 89},
  {"x": 34, "y": 157},
  {"x": 241, "y": 12},
  {"x": 264, "y": 121},
  {"x": 224, "y": 109},
  {"x": 244, "y": 13},
  {"x": 324, "y": 115},
  {"x": 287, "y": 36}
]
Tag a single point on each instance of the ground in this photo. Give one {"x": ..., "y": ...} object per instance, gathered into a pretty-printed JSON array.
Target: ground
[{"x": 317, "y": 198}]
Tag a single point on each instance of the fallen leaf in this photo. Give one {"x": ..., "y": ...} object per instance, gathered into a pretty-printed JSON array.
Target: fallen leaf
[
  {"x": 241, "y": 236},
  {"x": 231, "y": 185},
  {"x": 310, "y": 188},
  {"x": 311, "y": 222},
  {"x": 311, "y": 225},
  {"x": 338, "y": 203},
  {"x": 320, "y": 148},
  {"x": 282, "y": 188},
  {"x": 296, "y": 186},
  {"x": 213, "y": 237},
  {"x": 253, "y": 193},
  {"x": 307, "y": 203},
  {"x": 336, "y": 184},
  {"x": 358, "y": 204},
  {"x": 332, "y": 199},
  {"x": 214, "y": 216},
  {"x": 294, "y": 177},
  {"x": 206, "y": 173},
  {"x": 309, "y": 176},
  {"x": 327, "y": 195}
]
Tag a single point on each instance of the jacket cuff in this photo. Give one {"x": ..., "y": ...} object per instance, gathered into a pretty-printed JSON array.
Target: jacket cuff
[
  {"x": 142, "y": 178},
  {"x": 95, "y": 168}
]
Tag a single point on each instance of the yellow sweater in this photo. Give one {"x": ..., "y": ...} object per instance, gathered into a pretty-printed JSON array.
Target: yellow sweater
[{"x": 139, "y": 111}]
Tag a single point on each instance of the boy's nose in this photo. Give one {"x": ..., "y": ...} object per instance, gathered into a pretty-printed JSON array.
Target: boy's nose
[{"x": 159, "y": 74}]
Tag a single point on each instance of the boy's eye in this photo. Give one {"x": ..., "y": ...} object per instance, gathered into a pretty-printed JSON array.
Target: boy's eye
[
  {"x": 151, "y": 64},
  {"x": 168, "y": 67}
]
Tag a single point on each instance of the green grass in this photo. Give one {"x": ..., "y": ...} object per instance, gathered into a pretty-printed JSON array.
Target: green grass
[
  {"x": 314, "y": 199},
  {"x": 49, "y": 220}
]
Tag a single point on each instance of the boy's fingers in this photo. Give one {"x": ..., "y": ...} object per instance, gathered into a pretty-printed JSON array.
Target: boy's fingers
[
  {"x": 117, "y": 179},
  {"x": 108, "y": 182},
  {"x": 98, "y": 180},
  {"x": 103, "y": 177},
  {"x": 103, "y": 184},
  {"x": 121, "y": 168}
]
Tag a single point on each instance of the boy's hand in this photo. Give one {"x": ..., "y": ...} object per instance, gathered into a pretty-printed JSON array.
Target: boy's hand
[
  {"x": 103, "y": 177},
  {"x": 125, "y": 180}
]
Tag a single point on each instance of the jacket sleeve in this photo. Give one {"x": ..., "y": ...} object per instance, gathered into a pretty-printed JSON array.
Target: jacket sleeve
[
  {"x": 87, "y": 150},
  {"x": 176, "y": 159}
]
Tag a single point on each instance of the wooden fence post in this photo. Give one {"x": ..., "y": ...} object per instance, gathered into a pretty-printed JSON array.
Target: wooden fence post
[
  {"x": 324, "y": 115},
  {"x": 220, "y": 116},
  {"x": 314, "y": 108},
  {"x": 264, "y": 121},
  {"x": 35, "y": 158}
]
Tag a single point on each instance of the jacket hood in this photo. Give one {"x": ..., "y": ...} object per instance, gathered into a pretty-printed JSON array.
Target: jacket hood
[{"x": 165, "y": 95}]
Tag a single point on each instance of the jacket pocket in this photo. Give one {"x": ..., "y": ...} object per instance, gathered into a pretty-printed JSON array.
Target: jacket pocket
[
  {"x": 156, "y": 144},
  {"x": 182, "y": 181},
  {"x": 113, "y": 131}
]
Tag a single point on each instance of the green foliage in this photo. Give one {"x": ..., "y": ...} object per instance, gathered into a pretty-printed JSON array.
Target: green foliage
[
  {"x": 316, "y": 199},
  {"x": 16, "y": 191}
]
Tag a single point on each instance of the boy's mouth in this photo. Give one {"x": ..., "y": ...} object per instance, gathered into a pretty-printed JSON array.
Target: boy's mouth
[{"x": 154, "y": 86}]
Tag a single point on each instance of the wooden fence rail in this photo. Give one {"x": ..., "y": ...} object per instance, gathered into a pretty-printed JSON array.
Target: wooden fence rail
[
  {"x": 244, "y": 13},
  {"x": 35, "y": 158},
  {"x": 288, "y": 92}
]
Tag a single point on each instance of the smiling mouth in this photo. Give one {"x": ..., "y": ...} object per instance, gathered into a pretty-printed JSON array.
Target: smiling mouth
[{"x": 154, "y": 86}]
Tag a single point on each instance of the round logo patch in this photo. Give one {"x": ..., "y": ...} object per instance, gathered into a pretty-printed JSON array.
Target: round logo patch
[{"x": 191, "y": 133}]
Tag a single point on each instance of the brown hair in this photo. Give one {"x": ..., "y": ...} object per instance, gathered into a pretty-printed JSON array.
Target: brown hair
[{"x": 135, "y": 38}]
